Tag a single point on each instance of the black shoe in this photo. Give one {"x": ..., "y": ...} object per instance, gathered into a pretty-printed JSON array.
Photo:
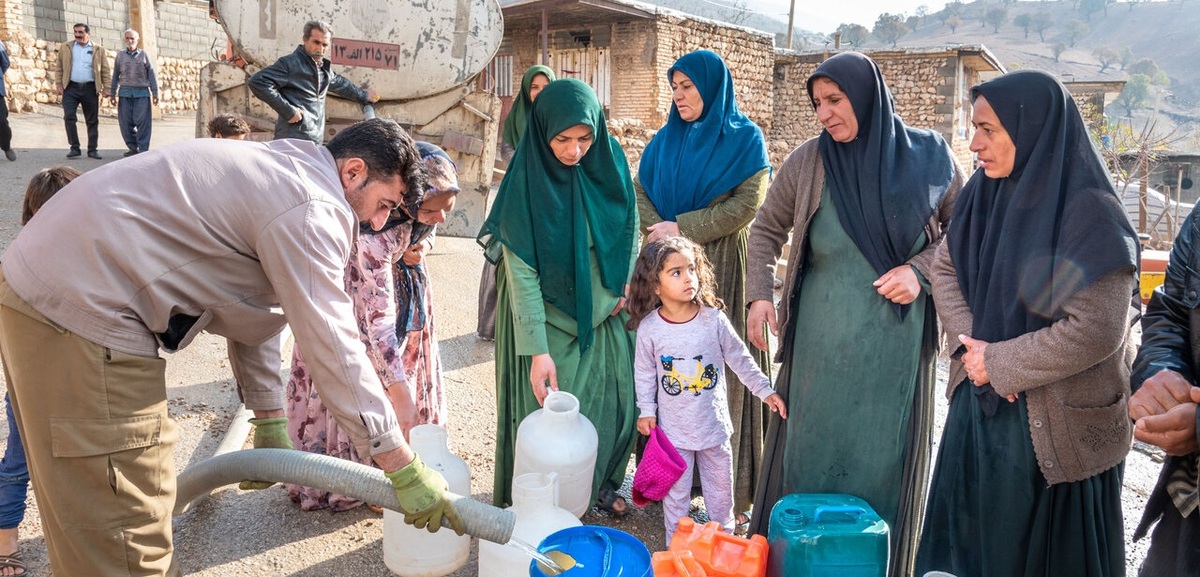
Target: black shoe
[
  {"x": 74, "y": 153},
  {"x": 95, "y": 155},
  {"x": 10, "y": 154},
  {"x": 130, "y": 152}
]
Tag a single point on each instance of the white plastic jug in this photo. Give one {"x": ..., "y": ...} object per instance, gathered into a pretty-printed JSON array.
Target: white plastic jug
[
  {"x": 535, "y": 498},
  {"x": 558, "y": 439},
  {"x": 412, "y": 552}
]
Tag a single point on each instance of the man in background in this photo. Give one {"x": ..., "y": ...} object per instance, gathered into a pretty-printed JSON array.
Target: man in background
[
  {"x": 134, "y": 83},
  {"x": 84, "y": 73},
  {"x": 296, "y": 85},
  {"x": 5, "y": 130}
]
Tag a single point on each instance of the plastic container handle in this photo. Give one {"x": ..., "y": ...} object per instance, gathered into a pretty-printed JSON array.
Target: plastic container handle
[
  {"x": 838, "y": 510},
  {"x": 681, "y": 567}
]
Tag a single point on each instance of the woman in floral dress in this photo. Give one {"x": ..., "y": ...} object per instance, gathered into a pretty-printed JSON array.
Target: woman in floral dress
[{"x": 393, "y": 303}]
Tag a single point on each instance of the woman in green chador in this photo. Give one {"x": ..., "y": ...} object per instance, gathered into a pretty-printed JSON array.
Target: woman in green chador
[{"x": 562, "y": 235}]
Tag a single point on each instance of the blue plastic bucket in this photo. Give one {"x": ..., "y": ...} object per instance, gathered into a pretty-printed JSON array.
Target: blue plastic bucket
[{"x": 598, "y": 552}]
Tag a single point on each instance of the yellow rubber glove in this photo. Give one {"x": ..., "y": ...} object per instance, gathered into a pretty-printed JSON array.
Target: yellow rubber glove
[
  {"x": 423, "y": 495},
  {"x": 268, "y": 434}
]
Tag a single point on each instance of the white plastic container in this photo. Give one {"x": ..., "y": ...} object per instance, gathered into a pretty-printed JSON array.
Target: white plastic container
[
  {"x": 412, "y": 552},
  {"x": 535, "y": 502},
  {"x": 558, "y": 439}
]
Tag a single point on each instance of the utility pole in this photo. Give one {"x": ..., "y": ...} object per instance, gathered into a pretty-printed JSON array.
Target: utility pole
[{"x": 791, "y": 20}]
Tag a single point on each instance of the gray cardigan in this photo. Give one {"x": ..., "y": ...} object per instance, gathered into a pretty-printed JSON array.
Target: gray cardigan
[
  {"x": 791, "y": 202},
  {"x": 1074, "y": 373}
]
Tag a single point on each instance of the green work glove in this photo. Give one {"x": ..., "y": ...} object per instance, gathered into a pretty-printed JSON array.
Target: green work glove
[
  {"x": 268, "y": 434},
  {"x": 422, "y": 493}
]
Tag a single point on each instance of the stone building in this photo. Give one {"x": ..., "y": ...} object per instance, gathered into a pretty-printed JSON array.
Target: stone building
[
  {"x": 930, "y": 86},
  {"x": 179, "y": 34},
  {"x": 624, "y": 48}
]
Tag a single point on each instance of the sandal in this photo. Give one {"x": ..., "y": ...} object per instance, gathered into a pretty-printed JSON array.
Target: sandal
[
  {"x": 741, "y": 524},
  {"x": 13, "y": 561},
  {"x": 607, "y": 501}
]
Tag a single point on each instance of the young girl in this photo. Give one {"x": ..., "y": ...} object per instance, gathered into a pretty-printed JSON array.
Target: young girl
[{"x": 684, "y": 342}]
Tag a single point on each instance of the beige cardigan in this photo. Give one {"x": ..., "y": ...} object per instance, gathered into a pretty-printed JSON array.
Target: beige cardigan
[
  {"x": 791, "y": 202},
  {"x": 101, "y": 69},
  {"x": 1074, "y": 373}
]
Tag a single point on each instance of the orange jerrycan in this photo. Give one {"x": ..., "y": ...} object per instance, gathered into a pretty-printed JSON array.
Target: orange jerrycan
[
  {"x": 676, "y": 564},
  {"x": 718, "y": 552}
]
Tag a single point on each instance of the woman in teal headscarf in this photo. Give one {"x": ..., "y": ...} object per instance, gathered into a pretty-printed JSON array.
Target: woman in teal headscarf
[
  {"x": 535, "y": 79},
  {"x": 703, "y": 176},
  {"x": 562, "y": 237}
]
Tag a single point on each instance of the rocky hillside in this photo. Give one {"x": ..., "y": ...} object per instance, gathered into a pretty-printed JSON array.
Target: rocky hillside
[{"x": 1166, "y": 32}]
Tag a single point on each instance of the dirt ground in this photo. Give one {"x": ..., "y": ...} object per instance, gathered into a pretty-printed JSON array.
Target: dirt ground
[{"x": 261, "y": 533}]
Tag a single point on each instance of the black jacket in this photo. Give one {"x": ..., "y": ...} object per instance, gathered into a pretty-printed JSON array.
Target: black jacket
[
  {"x": 294, "y": 82},
  {"x": 1171, "y": 340}
]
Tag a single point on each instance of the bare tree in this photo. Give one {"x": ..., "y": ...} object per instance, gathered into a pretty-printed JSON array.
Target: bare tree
[
  {"x": 1076, "y": 30},
  {"x": 737, "y": 12},
  {"x": 1106, "y": 56},
  {"x": 1040, "y": 22},
  {"x": 996, "y": 17},
  {"x": 953, "y": 22},
  {"x": 922, "y": 12},
  {"x": 1090, "y": 7},
  {"x": 952, "y": 9},
  {"x": 1024, "y": 21},
  {"x": 890, "y": 27},
  {"x": 1058, "y": 50},
  {"x": 853, "y": 34}
]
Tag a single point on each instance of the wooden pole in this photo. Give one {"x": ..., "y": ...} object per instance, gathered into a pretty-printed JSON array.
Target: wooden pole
[
  {"x": 791, "y": 21},
  {"x": 545, "y": 38}
]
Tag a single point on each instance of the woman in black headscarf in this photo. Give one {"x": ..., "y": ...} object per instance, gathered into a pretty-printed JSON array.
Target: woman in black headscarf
[
  {"x": 865, "y": 204},
  {"x": 1037, "y": 281}
]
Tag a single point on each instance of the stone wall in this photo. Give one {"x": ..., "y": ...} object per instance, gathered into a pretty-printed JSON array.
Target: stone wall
[
  {"x": 924, "y": 88},
  {"x": 33, "y": 30},
  {"x": 749, "y": 54},
  {"x": 641, "y": 52}
]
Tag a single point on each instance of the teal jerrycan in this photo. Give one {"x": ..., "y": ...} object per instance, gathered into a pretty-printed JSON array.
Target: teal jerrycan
[{"x": 826, "y": 535}]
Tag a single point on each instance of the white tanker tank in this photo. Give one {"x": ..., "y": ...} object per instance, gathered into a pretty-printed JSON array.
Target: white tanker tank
[{"x": 423, "y": 59}]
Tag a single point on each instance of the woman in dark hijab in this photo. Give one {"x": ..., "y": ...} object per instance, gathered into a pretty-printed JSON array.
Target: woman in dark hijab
[
  {"x": 703, "y": 176},
  {"x": 562, "y": 235},
  {"x": 1037, "y": 282},
  {"x": 532, "y": 83},
  {"x": 865, "y": 204}
]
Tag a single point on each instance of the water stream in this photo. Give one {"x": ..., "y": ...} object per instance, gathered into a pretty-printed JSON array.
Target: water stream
[{"x": 550, "y": 562}]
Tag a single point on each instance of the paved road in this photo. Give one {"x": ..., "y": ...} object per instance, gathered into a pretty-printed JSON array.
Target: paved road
[{"x": 262, "y": 533}]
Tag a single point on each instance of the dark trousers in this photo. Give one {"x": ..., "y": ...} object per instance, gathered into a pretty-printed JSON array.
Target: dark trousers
[
  {"x": 133, "y": 114},
  {"x": 83, "y": 94},
  {"x": 5, "y": 131},
  {"x": 1174, "y": 545}
]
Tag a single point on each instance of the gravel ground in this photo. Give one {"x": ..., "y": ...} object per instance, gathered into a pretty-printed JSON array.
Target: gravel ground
[{"x": 261, "y": 533}]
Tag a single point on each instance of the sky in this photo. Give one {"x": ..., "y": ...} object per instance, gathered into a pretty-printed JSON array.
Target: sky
[{"x": 826, "y": 15}]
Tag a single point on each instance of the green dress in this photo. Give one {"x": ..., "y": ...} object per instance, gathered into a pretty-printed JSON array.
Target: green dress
[
  {"x": 861, "y": 387},
  {"x": 723, "y": 228},
  {"x": 601, "y": 377}
]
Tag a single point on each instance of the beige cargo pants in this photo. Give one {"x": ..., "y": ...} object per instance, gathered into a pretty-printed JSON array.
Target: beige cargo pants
[{"x": 99, "y": 441}]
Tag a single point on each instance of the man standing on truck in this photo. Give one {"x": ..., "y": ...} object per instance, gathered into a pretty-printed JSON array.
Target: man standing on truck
[
  {"x": 296, "y": 85},
  {"x": 242, "y": 234}
]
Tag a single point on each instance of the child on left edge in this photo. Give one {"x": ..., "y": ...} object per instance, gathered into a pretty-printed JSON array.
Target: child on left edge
[
  {"x": 14, "y": 472},
  {"x": 684, "y": 343}
]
